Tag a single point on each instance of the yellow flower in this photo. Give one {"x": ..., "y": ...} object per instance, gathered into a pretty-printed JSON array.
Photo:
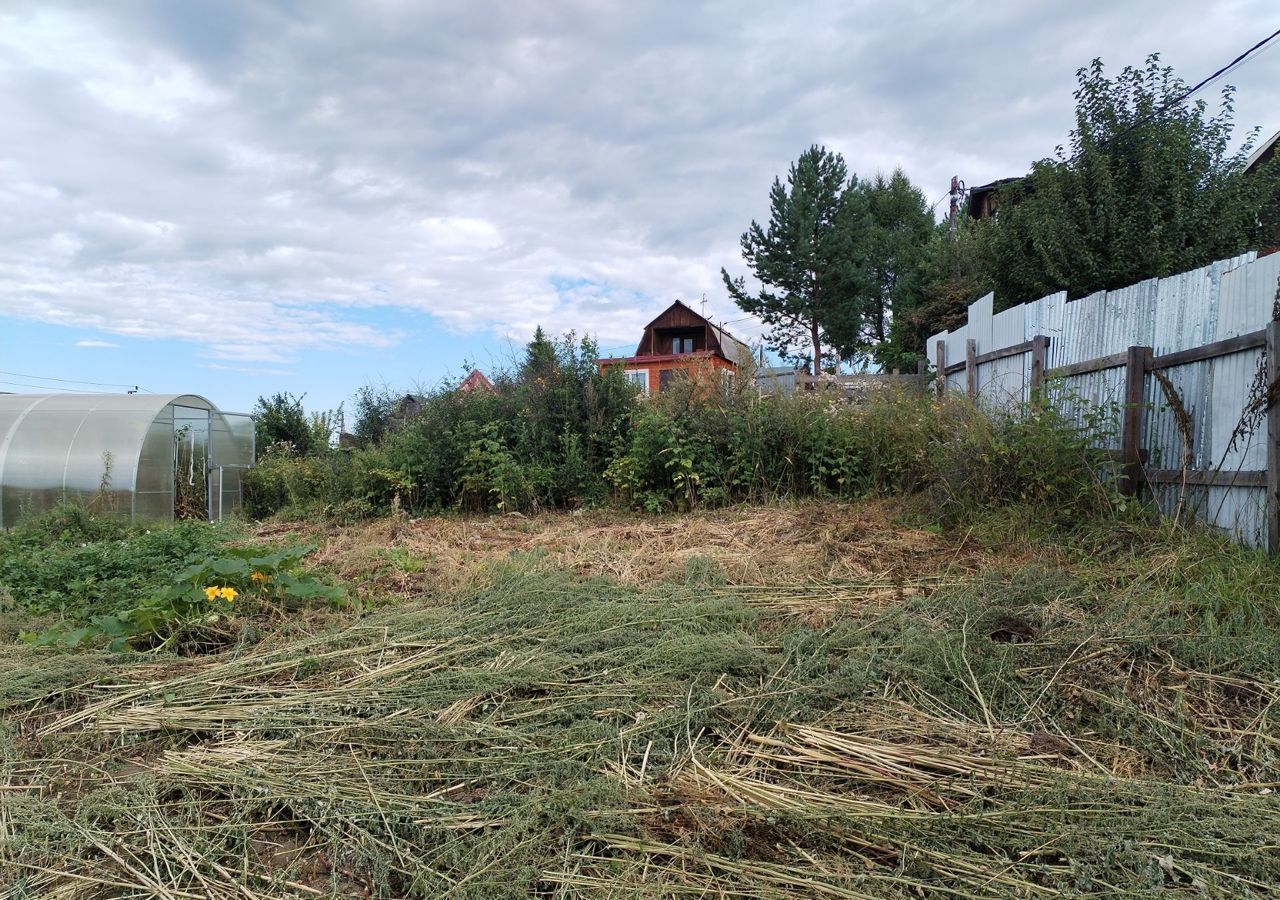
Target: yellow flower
[
  {"x": 212, "y": 593},
  {"x": 260, "y": 577},
  {"x": 229, "y": 593}
]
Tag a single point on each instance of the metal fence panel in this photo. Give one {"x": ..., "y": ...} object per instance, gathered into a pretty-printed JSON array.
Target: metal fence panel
[{"x": 1197, "y": 413}]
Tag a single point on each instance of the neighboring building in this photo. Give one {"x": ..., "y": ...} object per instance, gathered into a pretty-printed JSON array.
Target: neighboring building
[
  {"x": 679, "y": 343},
  {"x": 778, "y": 379},
  {"x": 984, "y": 199},
  {"x": 476, "y": 381},
  {"x": 1263, "y": 154}
]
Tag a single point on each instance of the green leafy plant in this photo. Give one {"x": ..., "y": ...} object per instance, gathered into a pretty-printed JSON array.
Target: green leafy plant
[{"x": 208, "y": 592}]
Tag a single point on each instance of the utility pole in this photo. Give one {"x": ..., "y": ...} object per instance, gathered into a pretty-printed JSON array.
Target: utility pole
[{"x": 957, "y": 192}]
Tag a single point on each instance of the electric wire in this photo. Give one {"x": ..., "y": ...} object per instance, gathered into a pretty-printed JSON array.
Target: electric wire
[
  {"x": 134, "y": 387},
  {"x": 1235, "y": 63},
  {"x": 43, "y": 387}
]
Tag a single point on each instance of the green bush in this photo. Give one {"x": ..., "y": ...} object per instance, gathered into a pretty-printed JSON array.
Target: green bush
[
  {"x": 556, "y": 433},
  {"x": 543, "y": 439}
]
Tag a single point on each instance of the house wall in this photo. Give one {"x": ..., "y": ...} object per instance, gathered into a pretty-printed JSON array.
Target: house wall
[{"x": 685, "y": 365}]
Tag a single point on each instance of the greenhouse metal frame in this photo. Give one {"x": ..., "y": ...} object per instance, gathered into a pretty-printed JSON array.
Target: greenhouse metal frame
[{"x": 121, "y": 454}]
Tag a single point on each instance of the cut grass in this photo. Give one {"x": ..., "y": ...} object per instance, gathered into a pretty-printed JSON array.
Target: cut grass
[
  {"x": 1064, "y": 727},
  {"x": 786, "y": 543}
]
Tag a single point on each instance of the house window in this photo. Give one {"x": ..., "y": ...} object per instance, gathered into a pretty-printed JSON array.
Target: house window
[
  {"x": 682, "y": 345},
  {"x": 664, "y": 378},
  {"x": 639, "y": 378}
]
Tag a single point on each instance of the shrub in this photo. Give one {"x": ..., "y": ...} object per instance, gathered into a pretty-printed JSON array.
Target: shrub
[{"x": 556, "y": 433}]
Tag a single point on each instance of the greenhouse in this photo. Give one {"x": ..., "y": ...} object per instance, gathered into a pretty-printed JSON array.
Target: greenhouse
[{"x": 143, "y": 457}]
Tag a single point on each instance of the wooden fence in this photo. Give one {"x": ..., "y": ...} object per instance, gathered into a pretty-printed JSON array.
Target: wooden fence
[{"x": 1169, "y": 357}]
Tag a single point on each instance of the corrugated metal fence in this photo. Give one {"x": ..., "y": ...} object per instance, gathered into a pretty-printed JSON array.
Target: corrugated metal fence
[{"x": 1179, "y": 366}]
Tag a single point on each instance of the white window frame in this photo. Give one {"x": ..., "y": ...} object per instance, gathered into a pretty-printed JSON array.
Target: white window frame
[{"x": 643, "y": 378}]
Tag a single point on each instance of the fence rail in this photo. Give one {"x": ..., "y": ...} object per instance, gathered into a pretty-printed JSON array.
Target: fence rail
[{"x": 1187, "y": 364}]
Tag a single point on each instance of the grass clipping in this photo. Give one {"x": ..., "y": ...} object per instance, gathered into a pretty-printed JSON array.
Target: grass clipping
[{"x": 553, "y": 737}]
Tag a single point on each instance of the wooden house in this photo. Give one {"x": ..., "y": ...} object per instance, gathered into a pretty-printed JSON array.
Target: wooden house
[{"x": 679, "y": 343}]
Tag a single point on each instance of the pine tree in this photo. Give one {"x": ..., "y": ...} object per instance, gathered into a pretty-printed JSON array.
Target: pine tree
[
  {"x": 810, "y": 261},
  {"x": 901, "y": 225}
]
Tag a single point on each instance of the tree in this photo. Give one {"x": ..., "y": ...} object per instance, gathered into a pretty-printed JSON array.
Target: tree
[
  {"x": 952, "y": 270},
  {"x": 810, "y": 261},
  {"x": 540, "y": 358},
  {"x": 375, "y": 412},
  {"x": 280, "y": 419},
  {"x": 1146, "y": 187},
  {"x": 901, "y": 226}
]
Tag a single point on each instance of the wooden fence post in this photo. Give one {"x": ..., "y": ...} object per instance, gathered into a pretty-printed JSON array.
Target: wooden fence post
[
  {"x": 940, "y": 354},
  {"x": 1039, "y": 357},
  {"x": 922, "y": 378},
  {"x": 971, "y": 369},
  {"x": 1273, "y": 438},
  {"x": 1136, "y": 364}
]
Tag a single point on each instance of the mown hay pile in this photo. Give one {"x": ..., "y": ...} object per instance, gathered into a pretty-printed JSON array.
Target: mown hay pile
[
  {"x": 786, "y": 543},
  {"x": 545, "y": 735}
]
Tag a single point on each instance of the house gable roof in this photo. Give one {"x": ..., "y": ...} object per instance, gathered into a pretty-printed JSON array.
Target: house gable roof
[
  {"x": 681, "y": 315},
  {"x": 476, "y": 381},
  {"x": 1261, "y": 153}
]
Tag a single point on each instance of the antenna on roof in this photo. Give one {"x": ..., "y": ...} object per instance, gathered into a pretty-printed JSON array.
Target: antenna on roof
[{"x": 704, "y": 304}]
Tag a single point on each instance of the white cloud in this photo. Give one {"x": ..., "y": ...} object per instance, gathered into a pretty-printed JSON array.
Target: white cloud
[
  {"x": 267, "y": 184},
  {"x": 92, "y": 342}
]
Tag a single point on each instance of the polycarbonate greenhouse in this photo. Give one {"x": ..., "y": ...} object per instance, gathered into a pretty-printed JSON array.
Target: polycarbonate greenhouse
[{"x": 143, "y": 457}]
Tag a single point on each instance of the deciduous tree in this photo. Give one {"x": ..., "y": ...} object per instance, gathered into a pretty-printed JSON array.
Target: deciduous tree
[{"x": 1148, "y": 185}]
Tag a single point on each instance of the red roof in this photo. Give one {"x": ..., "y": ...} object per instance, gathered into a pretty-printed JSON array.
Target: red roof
[{"x": 476, "y": 382}]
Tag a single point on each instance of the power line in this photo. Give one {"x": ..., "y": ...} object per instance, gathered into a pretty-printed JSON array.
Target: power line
[
  {"x": 43, "y": 387},
  {"x": 70, "y": 380},
  {"x": 1238, "y": 61}
]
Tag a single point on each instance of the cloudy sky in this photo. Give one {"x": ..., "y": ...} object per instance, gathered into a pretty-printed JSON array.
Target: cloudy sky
[{"x": 235, "y": 198}]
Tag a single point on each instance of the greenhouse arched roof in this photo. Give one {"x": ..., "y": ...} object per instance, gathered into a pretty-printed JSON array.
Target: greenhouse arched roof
[{"x": 116, "y": 451}]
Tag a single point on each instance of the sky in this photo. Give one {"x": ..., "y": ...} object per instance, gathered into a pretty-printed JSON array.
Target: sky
[{"x": 239, "y": 198}]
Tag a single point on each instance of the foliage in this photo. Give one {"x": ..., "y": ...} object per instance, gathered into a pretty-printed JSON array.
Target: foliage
[
  {"x": 952, "y": 270},
  {"x": 708, "y": 450},
  {"x": 901, "y": 225},
  {"x": 542, "y": 439},
  {"x": 1146, "y": 187},
  {"x": 811, "y": 260},
  {"x": 556, "y": 434},
  {"x": 98, "y": 578},
  {"x": 375, "y": 409},
  {"x": 206, "y": 592},
  {"x": 75, "y": 565},
  {"x": 280, "y": 421}
]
